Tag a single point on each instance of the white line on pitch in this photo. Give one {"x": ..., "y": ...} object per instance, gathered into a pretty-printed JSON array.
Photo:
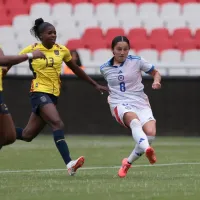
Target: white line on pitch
[{"x": 94, "y": 168}]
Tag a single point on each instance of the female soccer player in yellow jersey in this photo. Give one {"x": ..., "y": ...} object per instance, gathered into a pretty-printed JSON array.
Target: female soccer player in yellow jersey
[
  {"x": 7, "y": 128},
  {"x": 45, "y": 89}
]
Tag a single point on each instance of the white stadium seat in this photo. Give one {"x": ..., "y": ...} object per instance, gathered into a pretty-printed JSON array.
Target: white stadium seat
[
  {"x": 106, "y": 24},
  {"x": 172, "y": 24},
  {"x": 191, "y": 56},
  {"x": 83, "y": 11},
  {"x": 101, "y": 55},
  {"x": 171, "y": 56},
  {"x": 7, "y": 33},
  {"x": 153, "y": 24},
  {"x": 85, "y": 56},
  {"x": 38, "y": 10},
  {"x": 147, "y": 10},
  {"x": 130, "y": 23},
  {"x": 191, "y": 10},
  {"x": 170, "y": 10},
  {"x": 105, "y": 11},
  {"x": 150, "y": 55}
]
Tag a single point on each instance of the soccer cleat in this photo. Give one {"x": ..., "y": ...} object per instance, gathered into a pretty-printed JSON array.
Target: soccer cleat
[
  {"x": 124, "y": 168},
  {"x": 150, "y": 154},
  {"x": 73, "y": 165}
]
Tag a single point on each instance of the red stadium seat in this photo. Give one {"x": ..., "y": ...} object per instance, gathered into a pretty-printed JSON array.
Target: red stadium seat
[
  {"x": 97, "y": 44},
  {"x": 78, "y": 1},
  {"x": 187, "y": 1},
  {"x": 159, "y": 33},
  {"x": 113, "y": 32},
  {"x": 18, "y": 10},
  {"x": 165, "y": 1},
  {"x": 100, "y": 1},
  {"x": 162, "y": 44},
  {"x": 74, "y": 44},
  {"x": 56, "y": 1},
  {"x": 137, "y": 33},
  {"x": 181, "y": 34},
  {"x": 30, "y": 2},
  {"x": 5, "y": 19},
  {"x": 186, "y": 44},
  {"x": 197, "y": 35},
  {"x": 140, "y": 44},
  {"x": 122, "y": 1},
  {"x": 91, "y": 33},
  {"x": 144, "y": 1}
]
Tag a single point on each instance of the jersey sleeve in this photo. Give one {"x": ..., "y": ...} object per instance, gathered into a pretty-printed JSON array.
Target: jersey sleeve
[
  {"x": 28, "y": 49},
  {"x": 146, "y": 66},
  {"x": 67, "y": 56}
]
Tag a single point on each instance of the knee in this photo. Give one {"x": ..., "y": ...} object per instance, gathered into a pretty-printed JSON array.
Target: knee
[
  {"x": 57, "y": 125},
  {"x": 151, "y": 131},
  {"x": 27, "y": 136}
]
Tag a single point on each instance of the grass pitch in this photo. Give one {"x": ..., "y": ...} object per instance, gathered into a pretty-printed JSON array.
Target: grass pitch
[{"x": 35, "y": 171}]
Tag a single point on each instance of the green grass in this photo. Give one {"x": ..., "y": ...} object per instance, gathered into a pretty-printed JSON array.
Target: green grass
[{"x": 179, "y": 182}]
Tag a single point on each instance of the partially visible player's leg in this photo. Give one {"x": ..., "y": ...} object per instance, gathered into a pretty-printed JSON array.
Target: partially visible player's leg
[
  {"x": 51, "y": 116},
  {"x": 32, "y": 129}
]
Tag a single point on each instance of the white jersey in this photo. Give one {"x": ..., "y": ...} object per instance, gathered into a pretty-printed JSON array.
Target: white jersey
[{"x": 125, "y": 81}]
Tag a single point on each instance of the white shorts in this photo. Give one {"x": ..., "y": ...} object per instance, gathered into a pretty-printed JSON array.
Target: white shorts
[{"x": 119, "y": 110}]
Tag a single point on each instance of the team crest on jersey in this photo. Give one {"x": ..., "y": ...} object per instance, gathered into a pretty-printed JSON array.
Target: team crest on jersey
[
  {"x": 56, "y": 52},
  {"x": 120, "y": 77}
]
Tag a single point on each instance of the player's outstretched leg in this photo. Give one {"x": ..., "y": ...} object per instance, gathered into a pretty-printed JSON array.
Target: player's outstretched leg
[{"x": 73, "y": 165}]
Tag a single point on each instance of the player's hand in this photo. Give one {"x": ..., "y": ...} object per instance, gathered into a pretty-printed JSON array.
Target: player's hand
[
  {"x": 38, "y": 54},
  {"x": 101, "y": 88},
  {"x": 156, "y": 85}
]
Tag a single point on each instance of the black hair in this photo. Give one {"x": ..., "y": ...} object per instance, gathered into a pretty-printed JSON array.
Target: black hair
[
  {"x": 119, "y": 39},
  {"x": 39, "y": 27},
  {"x": 78, "y": 62}
]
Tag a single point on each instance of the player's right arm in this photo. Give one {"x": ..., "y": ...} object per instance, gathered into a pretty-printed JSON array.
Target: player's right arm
[{"x": 13, "y": 60}]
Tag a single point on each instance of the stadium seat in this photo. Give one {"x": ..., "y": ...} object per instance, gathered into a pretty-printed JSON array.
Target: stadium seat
[
  {"x": 92, "y": 33},
  {"x": 140, "y": 44},
  {"x": 146, "y": 8},
  {"x": 30, "y": 2},
  {"x": 191, "y": 56},
  {"x": 181, "y": 34},
  {"x": 178, "y": 71},
  {"x": 108, "y": 10},
  {"x": 143, "y": 1},
  {"x": 126, "y": 11},
  {"x": 40, "y": 10},
  {"x": 107, "y": 24},
  {"x": 186, "y": 1},
  {"x": 80, "y": 11},
  {"x": 165, "y": 1},
  {"x": 18, "y": 10},
  {"x": 94, "y": 44},
  {"x": 151, "y": 55},
  {"x": 7, "y": 32},
  {"x": 112, "y": 33},
  {"x": 10, "y": 48},
  {"x": 23, "y": 69},
  {"x": 74, "y": 44},
  {"x": 25, "y": 40},
  {"x": 171, "y": 56},
  {"x": 85, "y": 56},
  {"x": 129, "y": 24},
  {"x": 186, "y": 44},
  {"x": 131, "y": 52},
  {"x": 118, "y": 2},
  {"x": 57, "y": 1},
  {"x": 153, "y": 24},
  {"x": 197, "y": 34},
  {"x": 175, "y": 23},
  {"x": 84, "y": 24},
  {"x": 95, "y": 2},
  {"x": 137, "y": 33},
  {"x": 170, "y": 10},
  {"x": 73, "y": 2},
  {"x": 159, "y": 34},
  {"x": 162, "y": 44},
  {"x": 5, "y": 19},
  {"x": 62, "y": 11},
  {"x": 102, "y": 55}
]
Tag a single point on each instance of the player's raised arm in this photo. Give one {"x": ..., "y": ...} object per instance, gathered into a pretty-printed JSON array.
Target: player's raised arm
[
  {"x": 81, "y": 74},
  {"x": 16, "y": 59}
]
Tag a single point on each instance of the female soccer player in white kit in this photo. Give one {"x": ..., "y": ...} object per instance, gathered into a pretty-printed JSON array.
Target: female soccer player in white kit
[{"x": 128, "y": 102}]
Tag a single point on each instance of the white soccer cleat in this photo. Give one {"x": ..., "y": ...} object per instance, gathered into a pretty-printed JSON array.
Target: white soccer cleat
[{"x": 73, "y": 165}]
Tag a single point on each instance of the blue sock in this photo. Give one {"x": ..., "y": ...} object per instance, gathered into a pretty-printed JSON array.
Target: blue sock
[
  {"x": 62, "y": 145},
  {"x": 19, "y": 133}
]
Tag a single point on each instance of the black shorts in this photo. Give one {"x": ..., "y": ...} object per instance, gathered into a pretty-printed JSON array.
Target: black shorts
[
  {"x": 3, "y": 106},
  {"x": 39, "y": 99}
]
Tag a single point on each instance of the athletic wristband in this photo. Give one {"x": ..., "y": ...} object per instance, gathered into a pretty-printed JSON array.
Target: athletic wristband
[{"x": 30, "y": 55}]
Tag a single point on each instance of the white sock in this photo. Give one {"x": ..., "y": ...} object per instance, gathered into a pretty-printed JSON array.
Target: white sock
[
  {"x": 151, "y": 139},
  {"x": 138, "y": 134},
  {"x": 136, "y": 154}
]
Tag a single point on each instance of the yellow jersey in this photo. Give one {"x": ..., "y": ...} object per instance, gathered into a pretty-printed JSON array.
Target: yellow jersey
[
  {"x": 1, "y": 82},
  {"x": 47, "y": 72}
]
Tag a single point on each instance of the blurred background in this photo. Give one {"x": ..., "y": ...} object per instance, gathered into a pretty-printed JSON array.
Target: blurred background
[{"x": 164, "y": 32}]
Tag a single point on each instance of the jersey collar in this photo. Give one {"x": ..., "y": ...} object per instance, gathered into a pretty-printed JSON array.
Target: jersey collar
[{"x": 111, "y": 61}]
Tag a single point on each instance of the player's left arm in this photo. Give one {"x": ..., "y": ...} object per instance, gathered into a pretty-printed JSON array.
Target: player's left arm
[
  {"x": 157, "y": 79},
  {"x": 150, "y": 69},
  {"x": 4, "y": 68}
]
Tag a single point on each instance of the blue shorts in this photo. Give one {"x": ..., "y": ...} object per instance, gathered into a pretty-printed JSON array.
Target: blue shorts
[
  {"x": 39, "y": 99},
  {"x": 3, "y": 106}
]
